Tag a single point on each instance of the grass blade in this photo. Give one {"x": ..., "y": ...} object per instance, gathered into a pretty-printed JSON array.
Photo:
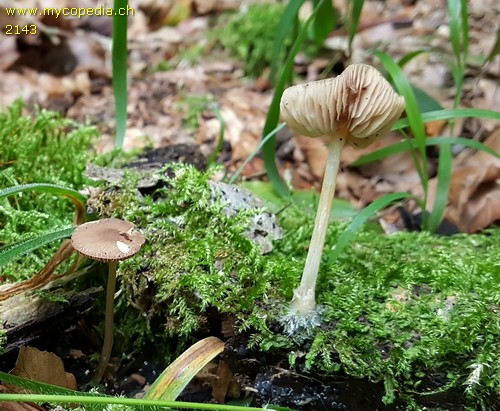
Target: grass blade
[
  {"x": 36, "y": 386},
  {"x": 287, "y": 23},
  {"x": 139, "y": 404},
  {"x": 443, "y": 188},
  {"x": 325, "y": 21},
  {"x": 220, "y": 143},
  {"x": 454, "y": 13},
  {"x": 272, "y": 118},
  {"x": 356, "y": 8},
  {"x": 348, "y": 235},
  {"x": 172, "y": 381},
  {"x": 119, "y": 60},
  {"x": 74, "y": 195},
  {"x": 495, "y": 50},
  {"x": 235, "y": 176},
  {"x": 410, "y": 145},
  {"x": 425, "y": 102},
  {"x": 412, "y": 111},
  {"x": 410, "y": 56},
  {"x": 14, "y": 251},
  {"x": 78, "y": 199},
  {"x": 450, "y": 114}
]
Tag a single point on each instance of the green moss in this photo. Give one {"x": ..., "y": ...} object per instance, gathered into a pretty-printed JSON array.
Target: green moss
[
  {"x": 404, "y": 308},
  {"x": 43, "y": 148},
  {"x": 400, "y": 309},
  {"x": 3, "y": 339},
  {"x": 249, "y": 36},
  {"x": 195, "y": 258},
  {"x": 192, "y": 107}
]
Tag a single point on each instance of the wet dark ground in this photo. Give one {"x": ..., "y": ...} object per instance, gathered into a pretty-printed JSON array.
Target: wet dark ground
[{"x": 264, "y": 377}]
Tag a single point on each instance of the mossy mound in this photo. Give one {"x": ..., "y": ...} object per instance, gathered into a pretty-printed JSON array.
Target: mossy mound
[
  {"x": 43, "y": 148},
  {"x": 401, "y": 309}
]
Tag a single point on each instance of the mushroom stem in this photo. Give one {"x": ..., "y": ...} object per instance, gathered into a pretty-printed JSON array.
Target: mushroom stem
[
  {"x": 304, "y": 302},
  {"x": 108, "y": 324}
]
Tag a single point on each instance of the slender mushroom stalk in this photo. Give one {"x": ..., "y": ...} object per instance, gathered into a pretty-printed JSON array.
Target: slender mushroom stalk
[
  {"x": 109, "y": 240},
  {"x": 355, "y": 108},
  {"x": 107, "y": 344}
]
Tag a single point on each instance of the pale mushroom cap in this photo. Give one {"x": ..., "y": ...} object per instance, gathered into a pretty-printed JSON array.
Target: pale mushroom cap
[
  {"x": 359, "y": 105},
  {"x": 109, "y": 239}
]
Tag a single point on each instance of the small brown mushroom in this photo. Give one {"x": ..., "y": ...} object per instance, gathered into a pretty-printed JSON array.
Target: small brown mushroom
[
  {"x": 355, "y": 108},
  {"x": 108, "y": 240}
]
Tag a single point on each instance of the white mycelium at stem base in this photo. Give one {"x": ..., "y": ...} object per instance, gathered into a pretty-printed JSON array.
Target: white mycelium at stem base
[{"x": 355, "y": 108}]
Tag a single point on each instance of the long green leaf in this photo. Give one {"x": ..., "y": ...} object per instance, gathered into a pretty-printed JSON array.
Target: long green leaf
[
  {"x": 411, "y": 145},
  {"x": 454, "y": 13},
  {"x": 271, "y": 134},
  {"x": 325, "y": 21},
  {"x": 74, "y": 195},
  {"x": 39, "y": 387},
  {"x": 220, "y": 143},
  {"x": 55, "y": 394},
  {"x": 443, "y": 188},
  {"x": 459, "y": 38},
  {"x": 410, "y": 56},
  {"x": 465, "y": 29},
  {"x": 348, "y": 235},
  {"x": 272, "y": 118},
  {"x": 288, "y": 22},
  {"x": 495, "y": 50},
  {"x": 425, "y": 102},
  {"x": 356, "y": 8},
  {"x": 450, "y": 114},
  {"x": 14, "y": 251},
  {"x": 129, "y": 402},
  {"x": 413, "y": 114},
  {"x": 119, "y": 61},
  {"x": 174, "y": 379}
]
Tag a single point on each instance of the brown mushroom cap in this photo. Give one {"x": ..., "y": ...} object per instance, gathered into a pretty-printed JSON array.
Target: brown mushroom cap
[
  {"x": 359, "y": 105},
  {"x": 107, "y": 240}
]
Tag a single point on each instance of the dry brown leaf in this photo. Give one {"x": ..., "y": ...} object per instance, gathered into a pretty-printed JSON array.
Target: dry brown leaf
[
  {"x": 43, "y": 366},
  {"x": 18, "y": 406},
  {"x": 482, "y": 210},
  {"x": 221, "y": 384},
  {"x": 474, "y": 189},
  {"x": 315, "y": 153},
  {"x": 435, "y": 128},
  {"x": 15, "y": 406}
]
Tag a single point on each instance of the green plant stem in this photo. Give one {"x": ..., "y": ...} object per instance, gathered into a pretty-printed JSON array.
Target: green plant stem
[
  {"x": 119, "y": 59},
  {"x": 107, "y": 345},
  {"x": 272, "y": 118},
  {"x": 271, "y": 134},
  {"x": 304, "y": 297},
  {"x": 81, "y": 399}
]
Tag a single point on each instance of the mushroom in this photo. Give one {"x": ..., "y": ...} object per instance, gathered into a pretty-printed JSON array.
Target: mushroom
[
  {"x": 108, "y": 240},
  {"x": 355, "y": 108}
]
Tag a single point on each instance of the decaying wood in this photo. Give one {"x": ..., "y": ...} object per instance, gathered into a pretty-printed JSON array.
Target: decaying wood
[{"x": 26, "y": 317}]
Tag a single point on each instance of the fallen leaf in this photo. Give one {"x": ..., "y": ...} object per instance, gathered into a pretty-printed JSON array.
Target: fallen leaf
[
  {"x": 224, "y": 383},
  {"x": 474, "y": 198},
  {"x": 43, "y": 366}
]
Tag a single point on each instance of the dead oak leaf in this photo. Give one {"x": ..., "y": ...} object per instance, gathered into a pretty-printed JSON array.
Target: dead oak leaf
[
  {"x": 43, "y": 366},
  {"x": 474, "y": 199}
]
